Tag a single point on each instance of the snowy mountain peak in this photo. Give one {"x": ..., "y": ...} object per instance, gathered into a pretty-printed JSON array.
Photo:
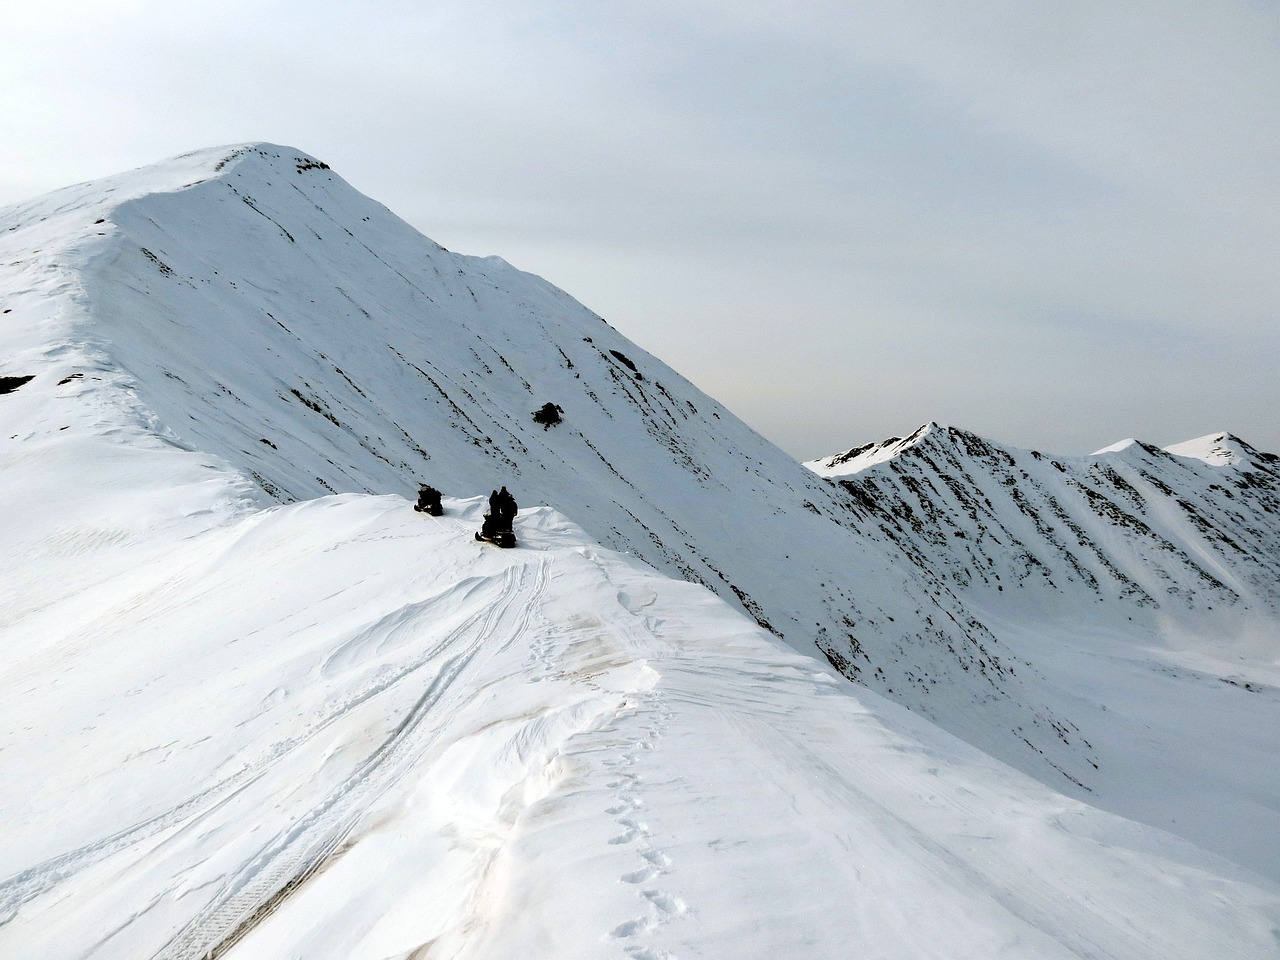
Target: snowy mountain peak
[
  {"x": 868, "y": 454},
  {"x": 298, "y": 718},
  {"x": 1130, "y": 522},
  {"x": 1216, "y": 449},
  {"x": 249, "y": 305},
  {"x": 1118, "y": 447},
  {"x": 254, "y": 160},
  {"x": 1131, "y": 449}
]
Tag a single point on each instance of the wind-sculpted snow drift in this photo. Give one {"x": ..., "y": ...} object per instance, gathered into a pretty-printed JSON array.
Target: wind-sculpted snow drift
[
  {"x": 338, "y": 729},
  {"x": 247, "y": 717}
]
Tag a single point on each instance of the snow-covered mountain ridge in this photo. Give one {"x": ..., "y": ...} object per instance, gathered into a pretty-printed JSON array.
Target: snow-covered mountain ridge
[
  {"x": 340, "y": 729},
  {"x": 248, "y": 303},
  {"x": 1142, "y": 584},
  {"x": 1192, "y": 526},
  {"x": 247, "y": 715}
]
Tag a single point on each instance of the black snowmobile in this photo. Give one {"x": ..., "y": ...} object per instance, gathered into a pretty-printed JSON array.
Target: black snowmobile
[
  {"x": 429, "y": 501},
  {"x": 496, "y": 528},
  {"x": 502, "y": 538}
]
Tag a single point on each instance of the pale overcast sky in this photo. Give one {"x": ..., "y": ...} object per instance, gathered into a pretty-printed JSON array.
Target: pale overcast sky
[{"x": 1055, "y": 224}]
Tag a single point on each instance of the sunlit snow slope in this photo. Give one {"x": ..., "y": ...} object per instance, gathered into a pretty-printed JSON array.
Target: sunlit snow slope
[
  {"x": 340, "y": 729},
  {"x": 262, "y": 310},
  {"x": 241, "y": 716}
]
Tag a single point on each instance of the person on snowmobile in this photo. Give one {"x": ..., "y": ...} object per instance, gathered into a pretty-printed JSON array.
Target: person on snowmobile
[
  {"x": 429, "y": 501},
  {"x": 496, "y": 527}
]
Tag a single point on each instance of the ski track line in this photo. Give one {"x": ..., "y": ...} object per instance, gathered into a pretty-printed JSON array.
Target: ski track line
[
  {"x": 301, "y": 849},
  {"x": 38, "y": 878},
  {"x": 35, "y": 880}
]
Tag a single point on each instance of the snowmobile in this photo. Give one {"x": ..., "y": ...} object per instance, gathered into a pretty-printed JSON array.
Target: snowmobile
[
  {"x": 429, "y": 501},
  {"x": 499, "y": 538},
  {"x": 496, "y": 528}
]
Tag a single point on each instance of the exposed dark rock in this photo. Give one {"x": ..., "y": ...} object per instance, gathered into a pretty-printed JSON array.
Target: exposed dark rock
[
  {"x": 548, "y": 415},
  {"x": 10, "y": 384}
]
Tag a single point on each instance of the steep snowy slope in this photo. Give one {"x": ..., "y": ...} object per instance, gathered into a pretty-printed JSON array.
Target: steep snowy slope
[
  {"x": 248, "y": 303},
  {"x": 1144, "y": 586},
  {"x": 340, "y": 729}
]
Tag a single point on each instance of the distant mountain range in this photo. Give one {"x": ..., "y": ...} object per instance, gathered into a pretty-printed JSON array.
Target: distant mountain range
[{"x": 1193, "y": 526}]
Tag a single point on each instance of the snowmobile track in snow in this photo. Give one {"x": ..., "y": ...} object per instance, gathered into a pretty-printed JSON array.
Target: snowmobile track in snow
[
  {"x": 39, "y": 878},
  {"x": 296, "y": 853},
  {"x": 374, "y": 775}
]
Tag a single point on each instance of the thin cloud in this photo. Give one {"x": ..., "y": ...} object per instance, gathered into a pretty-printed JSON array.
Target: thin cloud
[{"x": 1054, "y": 225}]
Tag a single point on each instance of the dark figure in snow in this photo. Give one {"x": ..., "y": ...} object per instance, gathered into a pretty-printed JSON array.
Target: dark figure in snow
[
  {"x": 429, "y": 501},
  {"x": 508, "y": 507},
  {"x": 496, "y": 528},
  {"x": 549, "y": 415}
]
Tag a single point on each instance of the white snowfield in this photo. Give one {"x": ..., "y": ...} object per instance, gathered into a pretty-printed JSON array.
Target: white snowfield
[
  {"x": 337, "y": 728},
  {"x": 343, "y": 729}
]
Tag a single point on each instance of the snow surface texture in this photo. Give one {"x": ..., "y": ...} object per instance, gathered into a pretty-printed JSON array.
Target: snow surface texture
[{"x": 335, "y": 727}]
